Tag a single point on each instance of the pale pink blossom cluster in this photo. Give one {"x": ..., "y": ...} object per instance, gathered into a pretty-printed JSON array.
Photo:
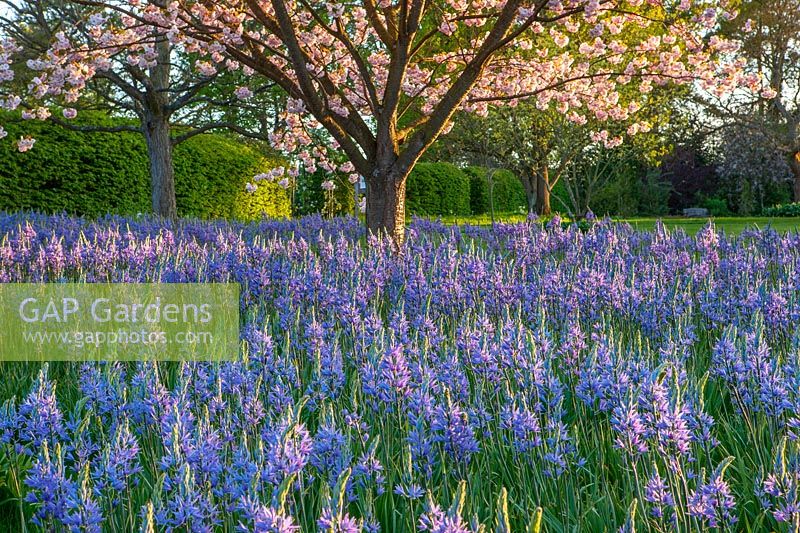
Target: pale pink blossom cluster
[
  {"x": 243, "y": 93},
  {"x": 25, "y": 143},
  {"x": 280, "y": 175}
]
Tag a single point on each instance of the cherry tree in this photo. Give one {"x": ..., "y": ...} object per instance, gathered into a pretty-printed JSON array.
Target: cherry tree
[
  {"x": 384, "y": 78},
  {"x": 106, "y": 56}
]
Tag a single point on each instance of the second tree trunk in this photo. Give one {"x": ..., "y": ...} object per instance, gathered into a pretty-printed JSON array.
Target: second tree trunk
[{"x": 162, "y": 174}]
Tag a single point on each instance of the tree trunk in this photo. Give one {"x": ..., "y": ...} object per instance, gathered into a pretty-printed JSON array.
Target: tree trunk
[
  {"x": 794, "y": 163},
  {"x": 530, "y": 183},
  {"x": 157, "y": 132},
  {"x": 386, "y": 207},
  {"x": 162, "y": 173},
  {"x": 543, "y": 193}
]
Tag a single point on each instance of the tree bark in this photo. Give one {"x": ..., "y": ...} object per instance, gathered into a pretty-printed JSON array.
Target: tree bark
[
  {"x": 386, "y": 207},
  {"x": 530, "y": 184},
  {"x": 157, "y": 133},
  {"x": 162, "y": 173},
  {"x": 543, "y": 193},
  {"x": 794, "y": 163}
]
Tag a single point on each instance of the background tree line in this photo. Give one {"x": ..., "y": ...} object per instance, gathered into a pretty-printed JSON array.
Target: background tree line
[{"x": 732, "y": 155}]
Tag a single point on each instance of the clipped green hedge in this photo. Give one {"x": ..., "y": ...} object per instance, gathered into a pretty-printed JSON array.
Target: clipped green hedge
[
  {"x": 785, "y": 210},
  {"x": 210, "y": 176},
  {"x": 436, "y": 189},
  {"x": 509, "y": 194},
  {"x": 93, "y": 174}
]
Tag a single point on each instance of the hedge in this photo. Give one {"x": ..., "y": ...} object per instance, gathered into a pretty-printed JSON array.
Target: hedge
[
  {"x": 785, "y": 210},
  {"x": 93, "y": 174},
  {"x": 509, "y": 194},
  {"x": 436, "y": 189}
]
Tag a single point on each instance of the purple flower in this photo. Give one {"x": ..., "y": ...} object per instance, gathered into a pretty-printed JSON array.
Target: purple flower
[
  {"x": 51, "y": 492},
  {"x": 331, "y": 523},
  {"x": 657, "y": 492},
  {"x": 268, "y": 520},
  {"x": 119, "y": 463},
  {"x": 395, "y": 375},
  {"x": 714, "y": 503},
  {"x": 330, "y": 453},
  {"x": 83, "y": 513},
  {"x": 435, "y": 520},
  {"x": 289, "y": 452},
  {"x": 451, "y": 427},
  {"x": 631, "y": 431},
  {"x": 412, "y": 492},
  {"x": 524, "y": 427},
  {"x": 38, "y": 417}
]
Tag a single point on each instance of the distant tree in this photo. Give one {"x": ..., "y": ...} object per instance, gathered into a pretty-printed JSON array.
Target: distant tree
[
  {"x": 544, "y": 148},
  {"x": 692, "y": 174},
  {"x": 764, "y": 124},
  {"x": 522, "y": 139},
  {"x": 751, "y": 163}
]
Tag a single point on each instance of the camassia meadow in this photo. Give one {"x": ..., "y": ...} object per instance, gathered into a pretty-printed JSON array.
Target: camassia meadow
[{"x": 530, "y": 377}]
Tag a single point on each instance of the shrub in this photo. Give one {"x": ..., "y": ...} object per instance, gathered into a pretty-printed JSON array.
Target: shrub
[
  {"x": 717, "y": 207},
  {"x": 774, "y": 194},
  {"x": 508, "y": 192},
  {"x": 92, "y": 174},
  {"x": 438, "y": 189},
  {"x": 654, "y": 194},
  {"x": 784, "y": 210},
  {"x": 80, "y": 173},
  {"x": 619, "y": 196}
]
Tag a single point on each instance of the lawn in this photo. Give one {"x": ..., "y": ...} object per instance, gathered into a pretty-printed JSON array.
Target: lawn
[{"x": 730, "y": 225}]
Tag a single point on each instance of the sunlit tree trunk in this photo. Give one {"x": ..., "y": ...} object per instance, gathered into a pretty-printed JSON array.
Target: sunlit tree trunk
[{"x": 543, "y": 193}]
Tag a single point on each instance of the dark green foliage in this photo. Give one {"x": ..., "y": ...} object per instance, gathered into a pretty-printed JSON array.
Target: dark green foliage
[
  {"x": 619, "y": 196},
  {"x": 629, "y": 194},
  {"x": 747, "y": 201},
  {"x": 92, "y": 174},
  {"x": 653, "y": 195},
  {"x": 508, "y": 192},
  {"x": 438, "y": 189},
  {"x": 717, "y": 207},
  {"x": 785, "y": 210},
  {"x": 310, "y": 197},
  {"x": 774, "y": 193},
  {"x": 84, "y": 174}
]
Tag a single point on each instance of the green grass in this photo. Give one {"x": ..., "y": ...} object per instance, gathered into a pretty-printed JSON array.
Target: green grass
[{"x": 731, "y": 225}]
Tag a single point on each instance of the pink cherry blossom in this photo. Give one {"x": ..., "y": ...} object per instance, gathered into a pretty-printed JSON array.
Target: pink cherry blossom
[
  {"x": 25, "y": 144},
  {"x": 243, "y": 93}
]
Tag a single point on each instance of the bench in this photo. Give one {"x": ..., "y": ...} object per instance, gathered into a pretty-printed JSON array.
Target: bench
[{"x": 695, "y": 212}]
